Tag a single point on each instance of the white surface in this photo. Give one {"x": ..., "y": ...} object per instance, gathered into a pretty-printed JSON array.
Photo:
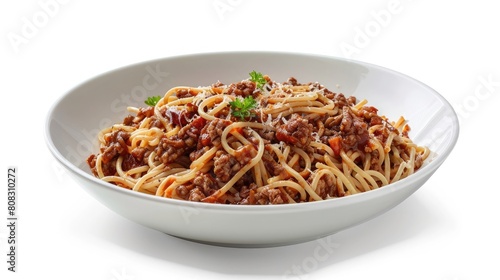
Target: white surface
[
  {"x": 446, "y": 231},
  {"x": 70, "y": 138}
]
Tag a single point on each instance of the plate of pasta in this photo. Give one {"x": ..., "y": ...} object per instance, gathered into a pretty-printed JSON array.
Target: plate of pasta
[{"x": 251, "y": 149}]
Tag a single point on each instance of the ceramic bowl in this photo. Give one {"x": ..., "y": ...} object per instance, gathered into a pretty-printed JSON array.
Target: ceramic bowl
[{"x": 74, "y": 120}]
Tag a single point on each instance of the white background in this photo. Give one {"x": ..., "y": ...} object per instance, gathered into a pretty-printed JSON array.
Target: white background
[{"x": 448, "y": 230}]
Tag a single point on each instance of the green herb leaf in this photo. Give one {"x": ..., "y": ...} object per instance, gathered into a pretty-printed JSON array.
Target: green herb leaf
[
  {"x": 152, "y": 100},
  {"x": 242, "y": 108},
  {"x": 258, "y": 78}
]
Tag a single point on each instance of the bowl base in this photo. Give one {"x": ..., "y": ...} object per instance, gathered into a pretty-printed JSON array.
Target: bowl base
[{"x": 249, "y": 245}]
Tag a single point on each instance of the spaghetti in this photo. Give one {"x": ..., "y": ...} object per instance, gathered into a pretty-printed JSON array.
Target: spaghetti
[{"x": 289, "y": 143}]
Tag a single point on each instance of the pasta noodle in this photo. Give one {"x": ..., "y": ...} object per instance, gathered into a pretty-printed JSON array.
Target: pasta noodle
[{"x": 254, "y": 142}]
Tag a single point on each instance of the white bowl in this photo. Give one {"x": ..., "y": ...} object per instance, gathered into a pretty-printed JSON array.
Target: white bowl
[{"x": 73, "y": 123}]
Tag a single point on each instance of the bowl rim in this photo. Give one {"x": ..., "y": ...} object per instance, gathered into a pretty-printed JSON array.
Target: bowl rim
[{"x": 425, "y": 171}]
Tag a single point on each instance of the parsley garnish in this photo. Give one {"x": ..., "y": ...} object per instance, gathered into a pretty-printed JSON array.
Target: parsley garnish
[
  {"x": 258, "y": 78},
  {"x": 152, "y": 100},
  {"x": 242, "y": 108}
]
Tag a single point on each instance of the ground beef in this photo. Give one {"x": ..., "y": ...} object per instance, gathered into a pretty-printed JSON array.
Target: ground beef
[
  {"x": 267, "y": 135},
  {"x": 297, "y": 131},
  {"x": 354, "y": 130},
  {"x": 291, "y": 81},
  {"x": 218, "y": 84},
  {"x": 116, "y": 144},
  {"x": 264, "y": 197},
  {"x": 210, "y": 134},
  {"x": 271, "y": 165},
  {"x": 171, "y": 148},
  {"x": 157, "y": 123},
  {"x": 182, "y": 93},
  {"x": 243, "y": 88},
  {"x": 205, "y": 183},
  {"x": 340, "y": 100},
  {"x": 130, "y": 162},
  {"x": 145, "y": 112},
  {"x": 184, "y": 191},
  {"x": 245, "y": 154},
  {"x": 225, "y": 166},
  {"x": 369, "y": 113},
  {"x": 108, "y": 169},
  {"x": 181, "y": 117},
  {"x": 245, "y": 192},
  {"x": 134, "y": 121},
  {"x": 136, "y": 158},
  {"x": 139, "y": 153},
  {"x": 91, "y": 161},
  {"x": 270, "y": 196},
  {"x": 349, "y": 130},
  {"x": 196, "y": 154},
  {"x": 129, "y": 120},
  {"x": 196, "y": 195}
]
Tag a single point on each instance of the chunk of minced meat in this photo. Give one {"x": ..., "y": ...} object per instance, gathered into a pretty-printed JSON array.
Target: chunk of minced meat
[
  {"x": 225, "y": 166},
  {"x": 171, "y": 148},
  {"x": 271, "y": 165},
  {"x": 244, "y": 88},
  {"x": 116, "y": 144},
  {"x": 210, "y": 134},
  {"x": 354, "y": 130},
  {"x": 264, "y": 196},
  {"x": 245, "y": 154},
  {"x": 296, "y": 131},
  {"x": 205, "y": 183}
]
